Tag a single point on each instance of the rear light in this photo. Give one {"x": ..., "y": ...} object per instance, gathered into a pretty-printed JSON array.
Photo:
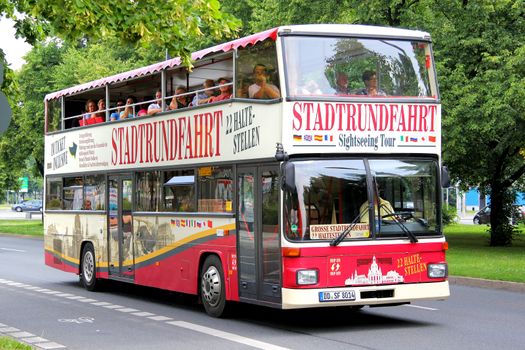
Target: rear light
[
  {"x": 437, "y": 270},
  {"x": 291, "y": 252},
  {"x": 307, "y": 277},
  {"x": 445, "y": 245}
]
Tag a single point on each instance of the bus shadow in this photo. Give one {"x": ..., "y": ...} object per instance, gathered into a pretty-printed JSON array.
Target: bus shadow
[
  {"x": 302, "y": 320},
  {"x": 323, "y": 319}
]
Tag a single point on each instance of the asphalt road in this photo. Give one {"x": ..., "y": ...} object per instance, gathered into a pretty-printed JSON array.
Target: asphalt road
[{"x": 49, "y": 307}]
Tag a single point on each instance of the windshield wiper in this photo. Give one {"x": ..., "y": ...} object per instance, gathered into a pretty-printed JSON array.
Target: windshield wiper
[
  {"x": 402, "y": 226},
  {"x": 334, "y": 242}
]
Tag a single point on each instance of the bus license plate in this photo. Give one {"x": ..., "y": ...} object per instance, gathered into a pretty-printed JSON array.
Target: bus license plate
[{"x": 337, "y": 295}]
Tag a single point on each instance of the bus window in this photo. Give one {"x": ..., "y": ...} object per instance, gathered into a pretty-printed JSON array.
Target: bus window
[
  {"x": 179, "y": 191},
  {"x": 94, "y": 192},
  {"x": 73, "y": 193},
  {"x": 54, "y": 193},
  {"x": 328, "y": 197},
  {"x": 342, "y": 66},
  {"x": 54, "y": 116},
  {"x": 256, "y": 63},
  {"x": 215, "y": 189},
  {"x": 148, "y": 191}
]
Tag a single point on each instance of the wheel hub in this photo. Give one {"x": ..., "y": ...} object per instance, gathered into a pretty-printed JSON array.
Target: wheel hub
[
  {"x": 88, "y": 266},
  {"x": 211, "y": 286}
]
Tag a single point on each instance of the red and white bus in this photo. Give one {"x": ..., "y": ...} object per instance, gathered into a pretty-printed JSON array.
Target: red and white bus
[{"x": 317, "y": 183}]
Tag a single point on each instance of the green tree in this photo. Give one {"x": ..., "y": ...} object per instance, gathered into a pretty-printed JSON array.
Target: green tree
[
  {"x": 480, "y": 55},
  {"x": 170, "y": 24}
]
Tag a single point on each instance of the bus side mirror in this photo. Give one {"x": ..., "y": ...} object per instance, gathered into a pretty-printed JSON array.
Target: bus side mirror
[
  {"x": 288, "y": 177},
  {"x": 445, "y": 177}
]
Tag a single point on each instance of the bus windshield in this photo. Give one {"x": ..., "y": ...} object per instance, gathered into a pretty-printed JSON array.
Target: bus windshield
[
  {"x": 321, "y": 66},
  {"x": 331, "y": 195}
]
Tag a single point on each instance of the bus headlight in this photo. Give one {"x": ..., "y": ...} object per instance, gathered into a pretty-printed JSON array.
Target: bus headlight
[
  {"x": 306, "y": 277},
  {"x": 437, "y": 270}
]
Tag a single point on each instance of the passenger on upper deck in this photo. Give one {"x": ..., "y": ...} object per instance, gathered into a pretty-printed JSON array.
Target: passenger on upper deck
[
  {"x": 128, "y": 112},
  {"x": 226, "y": 91},
  {"x": 90, "y": 117},
  {"x": 155, "y": 107},
  {"x": 370, "y": 80},
  {"x": 261, "y": 88},
  {"x": 180, "y": 101},
  {"x": 204, "y": 96},
  {"x": 143, "y": 108},
  {"x": 101, "y": 109},
  {"x": 116, "y": 114}
]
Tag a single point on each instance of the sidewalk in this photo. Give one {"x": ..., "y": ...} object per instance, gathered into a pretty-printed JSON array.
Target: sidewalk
[{"x": 483, "y": 283}]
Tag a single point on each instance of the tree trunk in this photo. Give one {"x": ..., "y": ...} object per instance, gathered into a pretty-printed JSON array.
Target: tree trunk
[{"x": 500, "y": 205}]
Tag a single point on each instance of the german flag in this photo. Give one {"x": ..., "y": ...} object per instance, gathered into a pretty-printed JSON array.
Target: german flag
[{"x": 297, "y": 137}]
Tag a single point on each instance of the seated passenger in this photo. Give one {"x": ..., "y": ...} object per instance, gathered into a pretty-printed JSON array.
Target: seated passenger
[
  {"x": 143, "y": 109},
  {"x": 116, "y": 114},
  {"x": 180, "y": 100},
  {"x": 156, "y": 107},
  {"x": 226, "y": 91},
  {"x": 204, "y": 96},
  {"x": 90, "y": 117},
  {"x": 261, "y": 88},
  {"x": 341, "y": 83},
  {"x": 370, "y": 80},
  {"x": 101, "y": 109},
  {"x": 129, "y": 111}
]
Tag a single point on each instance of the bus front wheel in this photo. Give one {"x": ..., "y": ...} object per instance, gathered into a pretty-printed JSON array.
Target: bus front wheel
[
  {"x": 212, "y": 286},
  {"x": 88, "y": 268}
]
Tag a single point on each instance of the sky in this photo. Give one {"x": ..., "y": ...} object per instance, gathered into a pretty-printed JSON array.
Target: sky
[{"x": 12, "y": 47}]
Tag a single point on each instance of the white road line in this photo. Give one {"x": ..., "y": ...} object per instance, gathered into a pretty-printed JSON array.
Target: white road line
[
  {"x": 50, "y": 345},
  {"x": 128, "y": 309},
  {"x": 21, "y": 334},
  {"x": 87, "y": 300},
  {"x": 14, "y": 250},
  {"x": 226, "y": 335},
  {"x": 101, "y": 303},
  {"x": 160, "y": 318},
  {"x": 143, "y": 314},
  {"x": 9, "y": 330},
  {"x": 33, "y": 340},
  {"x": 421, "y": 307},
  {"x": 112, "y": 306}
]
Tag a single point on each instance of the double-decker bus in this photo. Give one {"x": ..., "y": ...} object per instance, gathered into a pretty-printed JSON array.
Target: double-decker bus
[{"x": 298, "y": 167}]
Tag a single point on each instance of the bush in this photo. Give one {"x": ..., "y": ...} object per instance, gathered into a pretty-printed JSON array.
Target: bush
[{"x": 449, "y": 216}]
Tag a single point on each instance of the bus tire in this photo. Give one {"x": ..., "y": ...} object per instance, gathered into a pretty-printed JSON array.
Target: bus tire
[
  {"x": 88, "y": 268},
  {"x": 212, "y": 288}
]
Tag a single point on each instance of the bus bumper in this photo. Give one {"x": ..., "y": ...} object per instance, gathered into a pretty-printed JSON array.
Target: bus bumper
[{"x": 366, "y": 295}]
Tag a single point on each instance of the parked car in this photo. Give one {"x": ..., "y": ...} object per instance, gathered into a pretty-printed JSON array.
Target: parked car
[
  {"x": 31, "y": 205},
  {"x": 483, "y": 216}
]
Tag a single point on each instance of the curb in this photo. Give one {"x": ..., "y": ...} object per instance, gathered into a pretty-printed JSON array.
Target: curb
[{"x": 483, "y": 283}]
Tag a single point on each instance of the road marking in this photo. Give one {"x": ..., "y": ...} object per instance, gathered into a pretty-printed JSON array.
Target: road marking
[
  {"x": 112, "y": 306},
  {"x": 30, "y": 338},
  {"x": 422, "y": 307},
  {"x": 226, "y": 335},
  {"x": 160, "y": 318},
  {"x": 14, "y": 250},
  {"x": 126, "y": 310},
  {"x": 50, "y": 345},
  {"x": 21, "y": 334},
  {"x": 101, "y": 303},
  {"x": 143, "y": 314}
]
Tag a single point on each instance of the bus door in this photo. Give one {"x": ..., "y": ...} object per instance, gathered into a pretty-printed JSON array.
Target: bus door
[
  {"x": 259, "y": 250},
  {"x": 120, "y": 221}
]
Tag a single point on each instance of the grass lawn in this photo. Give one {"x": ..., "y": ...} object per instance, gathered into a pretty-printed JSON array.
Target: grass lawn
[
  {"x": 10, "y": 344},
  {"x": 22, "y": 227},
  {"x": 470, "y": 255}
]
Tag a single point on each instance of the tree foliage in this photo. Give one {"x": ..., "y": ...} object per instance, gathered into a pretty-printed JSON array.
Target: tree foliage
[
  {"x": 174, "y": 25},
  {"x": 480, "y": 55}
]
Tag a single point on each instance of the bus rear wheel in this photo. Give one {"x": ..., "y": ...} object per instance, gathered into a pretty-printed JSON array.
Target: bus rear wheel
[
  {"x": 212, "y": 287},
  {"x": 88, "y": 268}
]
